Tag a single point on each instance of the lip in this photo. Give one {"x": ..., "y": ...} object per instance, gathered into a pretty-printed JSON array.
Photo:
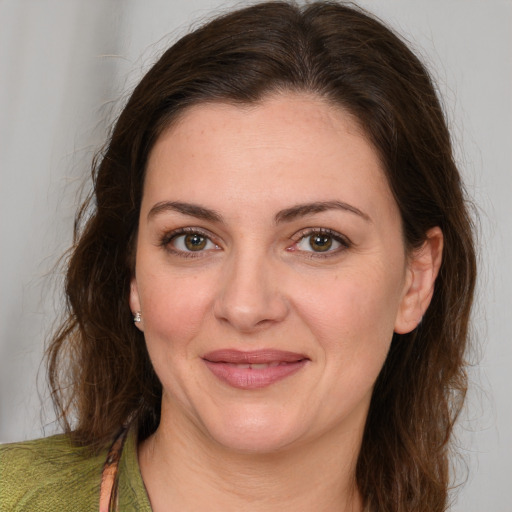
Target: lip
[{"x": 235, "y": 367}]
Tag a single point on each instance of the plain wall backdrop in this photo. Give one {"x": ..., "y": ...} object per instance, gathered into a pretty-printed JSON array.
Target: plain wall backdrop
[{"x": 65, "y": 70}]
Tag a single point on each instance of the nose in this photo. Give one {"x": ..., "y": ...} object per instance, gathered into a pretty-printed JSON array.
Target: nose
[{"x": 250, "y": 297}]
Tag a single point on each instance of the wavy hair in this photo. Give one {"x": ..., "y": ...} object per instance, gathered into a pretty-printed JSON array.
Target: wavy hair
[{"x": 99, "y": 370}]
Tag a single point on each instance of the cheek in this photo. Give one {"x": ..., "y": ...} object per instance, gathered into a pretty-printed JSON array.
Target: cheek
[
  {"x": 175, "y": 308},
  {"x": 352, "y": 316}
]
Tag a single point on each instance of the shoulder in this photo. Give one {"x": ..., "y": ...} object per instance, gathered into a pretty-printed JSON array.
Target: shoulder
[{"x": 49, "y": 474}]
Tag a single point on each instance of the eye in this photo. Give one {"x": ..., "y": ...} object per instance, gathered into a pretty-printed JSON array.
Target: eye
[
  {"x": 188, "y": 241},
  {"x": 320, "y": 241}
]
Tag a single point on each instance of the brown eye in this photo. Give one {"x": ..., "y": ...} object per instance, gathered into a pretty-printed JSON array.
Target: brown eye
[
  {"x": 195, "y": 242},
  {"x": 191, "y": 242},
  {"x": 320, "y": 242}
]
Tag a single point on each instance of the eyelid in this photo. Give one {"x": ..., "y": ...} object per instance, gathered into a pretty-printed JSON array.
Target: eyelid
[
  {"x": 169, "y": 236},
  {"x": 324, "y": 231},
  {"x": 338, "y": 237}
]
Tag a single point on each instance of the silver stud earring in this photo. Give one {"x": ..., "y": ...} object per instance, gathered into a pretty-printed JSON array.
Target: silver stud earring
[{"x": 137, "y": 317}]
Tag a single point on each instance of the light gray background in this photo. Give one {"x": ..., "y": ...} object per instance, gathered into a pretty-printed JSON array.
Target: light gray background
[{"x": 65, "y": 69}]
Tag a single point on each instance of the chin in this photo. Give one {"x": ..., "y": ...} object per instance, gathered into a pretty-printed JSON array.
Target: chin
[{"x": 255, "y": 434}]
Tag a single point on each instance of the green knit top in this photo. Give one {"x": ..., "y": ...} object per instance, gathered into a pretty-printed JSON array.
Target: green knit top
[{"x": 50, "y": 474}]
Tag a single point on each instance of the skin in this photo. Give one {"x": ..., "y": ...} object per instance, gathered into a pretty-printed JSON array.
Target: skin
[{"x": 259, "y": 283}]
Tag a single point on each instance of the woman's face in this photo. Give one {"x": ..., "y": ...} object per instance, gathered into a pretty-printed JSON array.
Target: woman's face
[{"x": 270, "y": 272}]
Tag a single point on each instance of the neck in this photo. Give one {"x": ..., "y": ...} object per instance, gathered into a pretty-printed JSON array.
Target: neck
[{"x": 194, "y": 473}]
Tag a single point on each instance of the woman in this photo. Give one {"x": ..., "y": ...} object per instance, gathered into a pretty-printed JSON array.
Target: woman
[{"x": 270, "y": 288}]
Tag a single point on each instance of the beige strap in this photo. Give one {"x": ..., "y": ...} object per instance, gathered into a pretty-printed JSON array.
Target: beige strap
[{"x": 109, "y": 480}]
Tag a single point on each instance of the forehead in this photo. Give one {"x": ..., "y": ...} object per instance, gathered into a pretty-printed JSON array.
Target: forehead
[{"x": 295, "y": 147}]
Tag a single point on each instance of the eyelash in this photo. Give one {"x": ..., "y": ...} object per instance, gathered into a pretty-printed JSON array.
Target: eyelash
[
  {"x": 345, "y": 243},
  {"x": 168, "y": 238}
]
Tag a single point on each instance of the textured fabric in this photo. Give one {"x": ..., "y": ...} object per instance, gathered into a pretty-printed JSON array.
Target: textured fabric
[{"x": 50, "y": 475}]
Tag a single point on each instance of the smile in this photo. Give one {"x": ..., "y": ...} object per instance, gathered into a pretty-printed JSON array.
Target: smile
[
  {"x": 253, "y": 370},
  {"x": 257, "y": 366}
]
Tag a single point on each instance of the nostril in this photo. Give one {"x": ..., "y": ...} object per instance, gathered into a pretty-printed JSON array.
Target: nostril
[
  {"x": 248, "y": 298},
  {"x": 250, "y": 314}
]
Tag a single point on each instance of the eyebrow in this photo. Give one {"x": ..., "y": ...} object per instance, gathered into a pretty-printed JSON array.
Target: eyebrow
[
  {"x": 193, "y": 210},
  {"x": 286, "y": 215},
  {"x": 301, "y": 210}
]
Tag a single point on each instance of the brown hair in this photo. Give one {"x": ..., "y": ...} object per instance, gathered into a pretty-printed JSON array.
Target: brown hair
[{"x": 99, "y": 369}]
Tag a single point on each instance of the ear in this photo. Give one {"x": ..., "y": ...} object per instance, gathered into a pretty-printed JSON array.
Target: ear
[
  {"x": 135, "y": 303},
  {"x": 422, "y": 269}
]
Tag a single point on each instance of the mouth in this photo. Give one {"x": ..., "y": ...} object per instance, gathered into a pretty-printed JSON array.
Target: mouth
[{"x": 255, "y": 369}]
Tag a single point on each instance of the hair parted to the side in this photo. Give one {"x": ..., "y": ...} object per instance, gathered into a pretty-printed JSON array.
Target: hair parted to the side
[{"x": 99, "y": 369}]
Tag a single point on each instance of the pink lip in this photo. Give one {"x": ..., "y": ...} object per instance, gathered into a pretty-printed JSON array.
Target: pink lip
[{"x": 225, "y": 365}]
